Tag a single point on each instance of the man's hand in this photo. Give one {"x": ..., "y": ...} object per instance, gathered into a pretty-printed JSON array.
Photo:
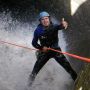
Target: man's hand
[
  {"x": 64, "y": 23},
  {"x": 44, "y": 49}
]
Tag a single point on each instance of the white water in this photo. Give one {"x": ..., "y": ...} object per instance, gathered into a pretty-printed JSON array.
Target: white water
[{"x": 17, "y": 63}]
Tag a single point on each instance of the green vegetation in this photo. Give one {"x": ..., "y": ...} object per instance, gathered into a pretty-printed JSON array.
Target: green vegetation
[{"x": 83, "y": 81}]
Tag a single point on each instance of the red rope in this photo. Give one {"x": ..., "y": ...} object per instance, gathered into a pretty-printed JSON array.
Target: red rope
[{"x": 72, "y": 55}]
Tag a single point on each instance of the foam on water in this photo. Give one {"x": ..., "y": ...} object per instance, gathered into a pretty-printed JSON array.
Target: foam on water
[{"x": 17, "y": 63}]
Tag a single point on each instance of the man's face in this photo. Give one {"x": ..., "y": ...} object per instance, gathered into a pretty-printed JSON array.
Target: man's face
[{"x": 45, "y": 21}]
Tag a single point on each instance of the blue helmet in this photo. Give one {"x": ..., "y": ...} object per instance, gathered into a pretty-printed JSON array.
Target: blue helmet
[{"x": 43, "y": 14}]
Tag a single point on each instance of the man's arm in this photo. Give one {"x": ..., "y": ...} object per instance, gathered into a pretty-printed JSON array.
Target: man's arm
[
  {"x": 35, "y": 41},
  {"x": 59, "y": 27},
  {"x": 63, "y": 25}
]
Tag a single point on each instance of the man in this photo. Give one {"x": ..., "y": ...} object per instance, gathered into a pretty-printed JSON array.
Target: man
[{"x": 47, "y": 33}]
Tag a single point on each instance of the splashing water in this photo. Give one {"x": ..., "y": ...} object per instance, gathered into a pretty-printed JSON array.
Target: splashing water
[{"x": 17, "y": 63}]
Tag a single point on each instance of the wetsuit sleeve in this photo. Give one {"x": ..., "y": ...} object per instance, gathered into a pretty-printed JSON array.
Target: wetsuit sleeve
[
  {"x": 59, "y": 27},
  {"x": 35, "y": 41}
]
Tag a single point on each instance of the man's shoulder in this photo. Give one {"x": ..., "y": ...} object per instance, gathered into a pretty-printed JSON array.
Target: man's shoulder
[
  {"x": 55, "y": 24},
  {"x": 38, "y": 29}
]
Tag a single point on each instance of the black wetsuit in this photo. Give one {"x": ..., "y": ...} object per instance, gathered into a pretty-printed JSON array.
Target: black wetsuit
[{"x": 48, "y": 36}]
